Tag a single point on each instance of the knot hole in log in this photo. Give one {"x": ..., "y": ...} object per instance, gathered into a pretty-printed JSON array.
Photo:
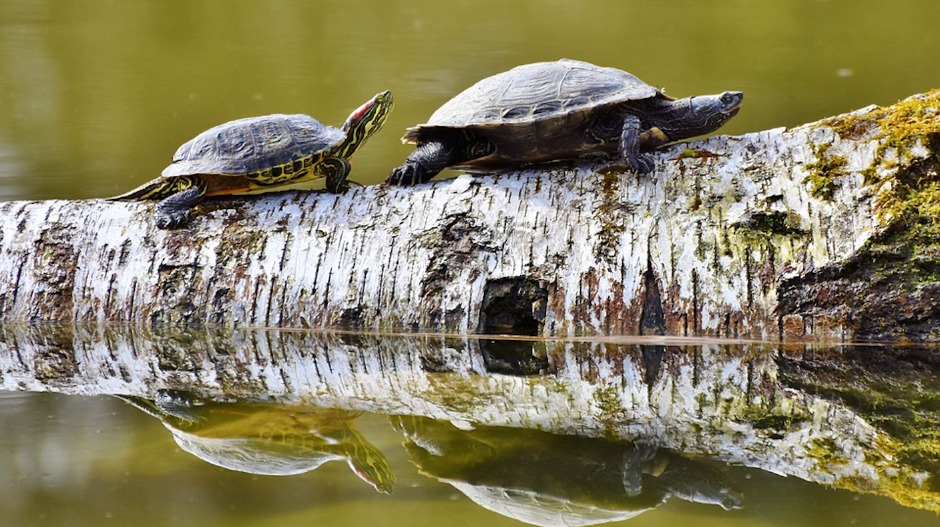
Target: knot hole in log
[{"x": 514, "y": 306}]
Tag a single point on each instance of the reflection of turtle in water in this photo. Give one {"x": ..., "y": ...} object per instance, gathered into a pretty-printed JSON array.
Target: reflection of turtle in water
[
  {"x": 268, "y": 439},
  {"x": 547, "y": 479}
]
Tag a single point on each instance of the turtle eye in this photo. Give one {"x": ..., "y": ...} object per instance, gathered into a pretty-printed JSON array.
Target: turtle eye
[{"x": 730, "y": 97}]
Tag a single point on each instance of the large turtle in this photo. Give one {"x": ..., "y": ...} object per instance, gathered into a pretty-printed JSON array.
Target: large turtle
[
  {"x": 557, "y": 110},
  {"x": 259, "y": 154}
]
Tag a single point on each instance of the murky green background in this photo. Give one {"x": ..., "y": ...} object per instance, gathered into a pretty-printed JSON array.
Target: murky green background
[{"x": 96, "y": 95}]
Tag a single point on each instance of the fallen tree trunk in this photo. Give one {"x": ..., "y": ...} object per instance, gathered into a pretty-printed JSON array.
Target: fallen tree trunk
[{"x": 827, "y": 230}]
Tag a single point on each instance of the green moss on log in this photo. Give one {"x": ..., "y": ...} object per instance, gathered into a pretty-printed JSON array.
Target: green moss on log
[
  {"x": 824, "y": 171},
  {"x": 907, "y": 186}
]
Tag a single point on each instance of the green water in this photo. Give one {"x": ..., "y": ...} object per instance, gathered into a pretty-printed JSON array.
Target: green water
[
  {"x": 71, "y": 460},
  {"x": 95, "y": 96},
  {"x": 307, "y": 428}
]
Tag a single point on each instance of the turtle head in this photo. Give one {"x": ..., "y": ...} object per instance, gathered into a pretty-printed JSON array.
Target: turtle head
[
  {"x": 366, "y": 120},
  {"x": 700, "y": 115}
]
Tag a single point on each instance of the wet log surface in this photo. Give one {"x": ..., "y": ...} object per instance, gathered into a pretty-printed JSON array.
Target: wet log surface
[
  {"x": 827, "y": 230},
  {"x": 863, "y": 419}
]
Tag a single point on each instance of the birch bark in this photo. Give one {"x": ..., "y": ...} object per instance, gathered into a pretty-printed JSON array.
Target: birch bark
[{"x": 826, "y": 230}]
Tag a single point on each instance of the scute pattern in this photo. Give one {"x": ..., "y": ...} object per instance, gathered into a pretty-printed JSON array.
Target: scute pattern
[
  {"x": 540, "y": 90},
  {"x": 255, "y": 145}
]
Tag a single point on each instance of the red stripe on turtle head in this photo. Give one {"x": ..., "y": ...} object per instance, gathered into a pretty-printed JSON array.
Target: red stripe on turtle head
[{"x": 380, "y": 97}]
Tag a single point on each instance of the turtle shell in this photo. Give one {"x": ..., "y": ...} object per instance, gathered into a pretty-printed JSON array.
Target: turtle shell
[
  {"x": 533, "y": 92},
  {"x": 254, "y": 146}
]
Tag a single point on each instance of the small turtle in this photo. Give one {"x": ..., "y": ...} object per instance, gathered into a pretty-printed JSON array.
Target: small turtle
[
  {"x": 550, "y": 111},
  {"x": 259, "y": 154}
]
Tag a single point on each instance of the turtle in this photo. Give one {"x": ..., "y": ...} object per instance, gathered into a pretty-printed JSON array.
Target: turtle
[
  {"x": 259, "y": 154},
  {"x": 550, "y": 111}
]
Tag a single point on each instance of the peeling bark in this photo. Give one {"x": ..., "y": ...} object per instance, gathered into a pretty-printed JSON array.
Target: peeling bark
[{"x": 827, "y": 230}]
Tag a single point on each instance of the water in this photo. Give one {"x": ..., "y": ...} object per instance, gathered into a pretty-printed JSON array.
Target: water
[
  {"x": 259, "y": 427},
  {"x": 98, "y": 461},
  {"x": 96, "y": 96}
]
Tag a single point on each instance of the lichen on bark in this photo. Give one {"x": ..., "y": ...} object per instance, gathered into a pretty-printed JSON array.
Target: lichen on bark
[{"x": 890, "y": 288}]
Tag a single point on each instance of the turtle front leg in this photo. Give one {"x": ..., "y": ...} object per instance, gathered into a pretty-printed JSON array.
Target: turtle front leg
[
  {"x": 630, "y": 145},
  {"x": 423, "y": 164},
  {"x": 176, "y": 210},
  {"x": 336, "y": 170}
]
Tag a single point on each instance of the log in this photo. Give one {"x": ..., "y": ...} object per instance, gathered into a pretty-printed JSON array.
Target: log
[
  {"x": 826, "y": 230},
  {"x": 854, "y": 418}
]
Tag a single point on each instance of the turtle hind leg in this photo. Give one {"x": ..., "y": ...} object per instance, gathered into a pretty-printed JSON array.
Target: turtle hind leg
[
  {"x": 176, "y": 210},
  {"x": 423, "y": 164},
  {"x": 630, "y": 145},
  {"x": 433, "y": 156}
]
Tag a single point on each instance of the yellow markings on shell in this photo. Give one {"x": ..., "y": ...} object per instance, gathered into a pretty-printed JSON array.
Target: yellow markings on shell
[{"x": 292, "y": 171}]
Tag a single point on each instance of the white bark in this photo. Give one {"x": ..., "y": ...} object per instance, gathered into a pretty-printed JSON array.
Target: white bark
[{"x": 594, "y": 251}]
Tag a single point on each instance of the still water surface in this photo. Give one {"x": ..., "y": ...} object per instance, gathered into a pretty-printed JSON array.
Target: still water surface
[
  {"x": 351, "y": 429},
  {"x": 96, "y": 96},
  {"x": 70, "y": 460}
]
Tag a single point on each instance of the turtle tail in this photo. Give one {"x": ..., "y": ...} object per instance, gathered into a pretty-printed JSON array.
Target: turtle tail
[{"x": 156, "y": 189}]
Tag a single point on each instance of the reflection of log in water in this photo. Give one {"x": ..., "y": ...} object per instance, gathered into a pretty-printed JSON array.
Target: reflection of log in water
[
  {"x": 554, "y": 480},
  {"x": 268, "y": 439},
  {"x": 730, "y": 402}
]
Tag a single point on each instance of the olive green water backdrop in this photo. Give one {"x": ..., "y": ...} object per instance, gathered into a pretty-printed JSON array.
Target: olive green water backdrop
[{"x": 96, "y": 95}]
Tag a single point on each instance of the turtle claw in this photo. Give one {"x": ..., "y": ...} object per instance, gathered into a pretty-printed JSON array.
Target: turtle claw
[
  {"x": 176, "y": 210},
  {"x": 407, "y": 175},
  {"x": 642, "y": 163},
  {"x": 173, "y": 219},
  {"x": 342, "y": 187}
]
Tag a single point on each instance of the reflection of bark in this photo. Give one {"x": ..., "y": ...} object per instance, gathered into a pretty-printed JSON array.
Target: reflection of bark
[
  {"x": 772, "y": 233},
  {"x": 268, "y": 439},
  {"x": 896, "y": 390},
  {"x": 547, "y": 479},
  {"x": 731, "y": 402}
]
